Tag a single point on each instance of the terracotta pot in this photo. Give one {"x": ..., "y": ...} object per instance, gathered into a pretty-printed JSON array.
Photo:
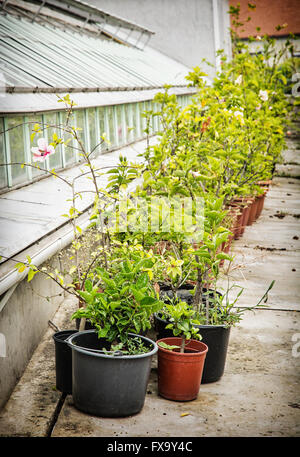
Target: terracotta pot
[
  {"x": 246, "y": 204},
  {"x": 246, "y": 213},
  {"x": 180, "y": 374},
  {"x": 264, "y": 183},
  {"x": 259, "y": 205},
  {"x": 242, "y": 217},
  {"x": 262, "y": 202},
  {"x": 237, "y": 212},
  {"x": 232, "y": 214},
  {"x": 253, "y": 211}
]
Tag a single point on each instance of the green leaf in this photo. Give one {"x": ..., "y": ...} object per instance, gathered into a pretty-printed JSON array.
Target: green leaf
[
  {"x": 223, "y": 256},
  {"x": 142, "y": 280},
  {"x": 147, "y": 301},
  {"x": 168, "y": 346},
  {"x": 87, "y": 297},
  {"x": 31, "y": 274},
  {"x": 137, "y": 294},
  {"x": 88, "y": 285}
]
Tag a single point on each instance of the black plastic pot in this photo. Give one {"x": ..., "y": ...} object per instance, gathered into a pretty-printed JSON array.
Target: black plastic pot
[
  {"x": 106, "y": 385},
  {"x": 183, "y": 293},
  {"x": 63, "y": 361},
  {"x": 216, "y": 337}
]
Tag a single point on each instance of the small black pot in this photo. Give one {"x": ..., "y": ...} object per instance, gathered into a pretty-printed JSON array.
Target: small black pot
[
  {"x": 216, "y": 337},
  {"x": 63, "y": 361},
  {"x": 184, "y": 293},
  {"x": 106, "y": 385}
]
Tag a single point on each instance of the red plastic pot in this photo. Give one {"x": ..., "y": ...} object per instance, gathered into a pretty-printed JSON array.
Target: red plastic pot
[{"x": 180, "y": 374}]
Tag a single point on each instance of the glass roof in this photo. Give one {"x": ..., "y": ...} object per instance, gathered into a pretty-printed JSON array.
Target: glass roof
[{"x": 41, "y": 57}]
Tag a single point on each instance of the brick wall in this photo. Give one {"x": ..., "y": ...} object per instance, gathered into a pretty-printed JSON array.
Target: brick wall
[{"x": 267, "y": 15}]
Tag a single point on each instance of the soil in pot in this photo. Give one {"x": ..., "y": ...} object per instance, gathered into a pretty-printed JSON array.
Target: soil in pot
[
  {"x": 179, "y": 374},
  {"x": 63, "y": 361},
  {"x": 106, "y": 385}
]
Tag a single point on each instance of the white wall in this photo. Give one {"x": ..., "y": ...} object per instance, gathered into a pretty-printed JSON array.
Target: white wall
[
  {"x": 23, "y": 321},
  {"x": 184, "y": 29}
]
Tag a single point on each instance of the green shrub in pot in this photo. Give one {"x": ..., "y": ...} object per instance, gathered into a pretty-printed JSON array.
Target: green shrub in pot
[{"x": 120, "y": 300}]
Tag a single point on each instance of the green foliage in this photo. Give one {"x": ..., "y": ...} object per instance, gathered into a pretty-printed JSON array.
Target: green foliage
[
  {"x": 122, "y": 299},
  {"x": 181, "y": 318}
]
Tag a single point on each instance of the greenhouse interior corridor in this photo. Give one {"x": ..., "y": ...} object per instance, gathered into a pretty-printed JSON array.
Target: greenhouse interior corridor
[{"x": 149, "y": 222}]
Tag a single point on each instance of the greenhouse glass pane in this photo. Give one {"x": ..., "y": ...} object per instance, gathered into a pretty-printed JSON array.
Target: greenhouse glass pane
[
  {"x": 119, "y": 124},
  {"x": 128, "y": 121},
  {"x": 111, "y": 123},
  {"x": 3, "y": 170},
  {"x": 151, "y": 124},
  {"x": 135, "y": 121},
  {"x": 142, "y": 118},
  {"x": 155, "y": 118},
  {"x": 70, "y": 151},
  {"x": 101, "y": 114},
  {"x": 51, "y": 123},
  {"x": 81, "y": 133},
  {"x": 32, "y": 121},
  {"x": 92, "y": 131},
  {"x": 17, "y": 149}
]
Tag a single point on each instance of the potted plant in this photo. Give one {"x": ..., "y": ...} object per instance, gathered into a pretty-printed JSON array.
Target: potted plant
[
  {"x": 181, "y": 357},
  {"x": 111, "y": 364},
  {"x": 214, "y": 319}
]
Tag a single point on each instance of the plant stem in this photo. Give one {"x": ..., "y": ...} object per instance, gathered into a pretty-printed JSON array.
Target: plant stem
[{"x": 182, "y": 346}]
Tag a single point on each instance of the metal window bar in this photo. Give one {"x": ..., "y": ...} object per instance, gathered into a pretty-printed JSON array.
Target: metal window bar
[
  {"x": 115, "y": 125},
  {"x": 7, "y": 152},
  {"x": 63, "y": 157}
]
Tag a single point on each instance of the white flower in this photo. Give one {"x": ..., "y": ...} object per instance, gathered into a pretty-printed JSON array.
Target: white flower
[
  {"x": 263, "y": 94},
  {"x": 258, "y": 37},
  {"x": 239, "y": 115},
  {"x": 239, "y": 80},
  {"x": 196, "y": 174}
]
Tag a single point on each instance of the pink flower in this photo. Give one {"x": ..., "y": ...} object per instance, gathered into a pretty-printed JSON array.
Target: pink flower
[
  {"x": 42, "y": 151},
  {"x": 196, "y": 174}
]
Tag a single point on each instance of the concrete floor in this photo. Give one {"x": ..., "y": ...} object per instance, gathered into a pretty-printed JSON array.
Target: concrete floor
[{"x": 259, "y": 393}]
